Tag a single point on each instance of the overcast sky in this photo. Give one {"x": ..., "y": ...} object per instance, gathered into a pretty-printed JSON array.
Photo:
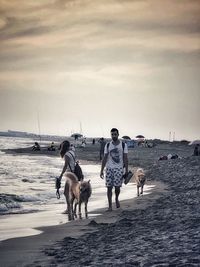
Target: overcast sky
[{"x": 130, "y": 64}]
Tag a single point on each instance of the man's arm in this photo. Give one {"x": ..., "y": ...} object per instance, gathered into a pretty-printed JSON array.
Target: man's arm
[
  {"x": 103, "y": 164},
  {"x": 125, "y": 159}
]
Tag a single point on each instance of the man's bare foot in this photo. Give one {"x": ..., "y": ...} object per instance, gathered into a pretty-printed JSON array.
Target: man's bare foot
[{"x": 65, "y": 212}]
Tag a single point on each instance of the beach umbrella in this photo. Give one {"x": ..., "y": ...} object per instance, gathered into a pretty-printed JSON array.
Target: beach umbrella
[
  {"x": 195, "y": 142},
  {"x": 140, "y": 136},
  {"x": 76, "y": 135},
  {"x": 126, "y": 137},
  {"x": 185, "y": 142}
]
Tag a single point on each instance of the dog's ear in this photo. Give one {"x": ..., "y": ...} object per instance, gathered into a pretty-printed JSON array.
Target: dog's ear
[{"x": 89, "y": 182}]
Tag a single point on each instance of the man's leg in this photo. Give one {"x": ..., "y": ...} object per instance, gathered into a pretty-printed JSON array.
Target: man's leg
[
  {"x": 118, "y": 178},
  {"x": 117, "y": 192},
  {"x": 109, "y": 195}
]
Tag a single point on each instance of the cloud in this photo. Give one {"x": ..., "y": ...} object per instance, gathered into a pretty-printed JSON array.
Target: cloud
[{"x": 132, "y": 50}]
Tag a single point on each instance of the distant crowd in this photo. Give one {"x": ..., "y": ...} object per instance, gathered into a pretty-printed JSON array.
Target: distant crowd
[{"x": 102, "y": 143}]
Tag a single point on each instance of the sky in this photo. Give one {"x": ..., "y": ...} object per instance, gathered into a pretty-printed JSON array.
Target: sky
[{"x": 90, "y": 65}]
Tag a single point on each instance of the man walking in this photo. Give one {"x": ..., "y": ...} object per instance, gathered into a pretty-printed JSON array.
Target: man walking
[{"x": 115, "y": 159}]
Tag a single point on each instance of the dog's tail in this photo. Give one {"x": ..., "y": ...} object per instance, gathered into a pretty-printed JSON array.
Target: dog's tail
[{"x": 70, "y": 176}]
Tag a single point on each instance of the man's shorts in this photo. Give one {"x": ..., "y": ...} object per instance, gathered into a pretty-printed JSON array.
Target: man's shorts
[{"x": 114, "y": 177}]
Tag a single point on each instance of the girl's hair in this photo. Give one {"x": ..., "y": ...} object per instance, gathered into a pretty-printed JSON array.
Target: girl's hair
[{"x": 64, "y": 147}]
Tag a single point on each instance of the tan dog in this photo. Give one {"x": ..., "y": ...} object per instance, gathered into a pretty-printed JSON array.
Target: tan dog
[
  {"x": 139, "y": 177},
  {"x": 85, "y": 192},
  {"x": 75, "y": 190}
]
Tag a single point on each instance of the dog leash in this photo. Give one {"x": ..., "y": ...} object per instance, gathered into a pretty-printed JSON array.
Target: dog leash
[
  {"x": 58, "y": 194},
  {"x": 58, "y": 183}
]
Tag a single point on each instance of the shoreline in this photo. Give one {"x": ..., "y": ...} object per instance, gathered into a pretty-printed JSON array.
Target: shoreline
[
  {"x": 21, "y": 225},
  {"x": 22, "y": 251}
]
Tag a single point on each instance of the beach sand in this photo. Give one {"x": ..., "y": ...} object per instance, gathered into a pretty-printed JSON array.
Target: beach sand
[
  {"x": 25, "y": 251},
  {"x": 158, "y": 229}
]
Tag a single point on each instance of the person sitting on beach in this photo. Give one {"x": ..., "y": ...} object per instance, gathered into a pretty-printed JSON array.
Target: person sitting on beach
[
  {"x": 36, "y": 147},
  {"x": 175, "y": 156},
  {"x": 52, "y": 147},
  {"x": 163, "y": 158},
  {"x": 196, "y": 151},
  {"x": 115, "y": 157},
  {"x": 83, "y": 144},
  {"x": 169, "y": 156}
]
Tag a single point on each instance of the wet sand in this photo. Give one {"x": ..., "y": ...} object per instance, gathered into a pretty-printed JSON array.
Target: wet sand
[
  {"x": 19, "y": 225},
  {"x": 38, "y": 250},
  {"x": 159, "y": 229}
]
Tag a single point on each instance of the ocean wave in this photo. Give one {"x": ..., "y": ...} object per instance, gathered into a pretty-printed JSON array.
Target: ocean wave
[
  {"x": 28, "y": 198},
  {"x": 10, "y": 203},
  {"x": 7, "y": 198},
  {"x": 19, "y": 211},
  {"x": 7, "y": 207},
  {"x": 37, "y": 189}
]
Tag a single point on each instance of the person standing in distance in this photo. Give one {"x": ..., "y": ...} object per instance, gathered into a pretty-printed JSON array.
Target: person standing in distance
[{"x": 115, "y": 159}]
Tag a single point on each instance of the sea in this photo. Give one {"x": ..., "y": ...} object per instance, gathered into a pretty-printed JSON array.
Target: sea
[{"x": 28, "y": 195}]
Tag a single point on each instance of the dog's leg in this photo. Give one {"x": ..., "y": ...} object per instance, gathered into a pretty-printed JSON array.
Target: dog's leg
[
  {"x": 71, "y": 204},
  {"x": 86, "y": 212},
  {"x": 70, "y": 211},
  {"x": 75, "y": 207},
  {"x": 141, "y": 193},
  {"x": 79, "y": 209},
  {"x": 137, "y": 190}
]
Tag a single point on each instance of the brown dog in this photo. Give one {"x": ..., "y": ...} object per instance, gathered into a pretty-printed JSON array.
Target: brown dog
[
  {"x": 75, "y": 190},
  {"x": 85, "y": 192},
  {"x": 139, "y": 177}
]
